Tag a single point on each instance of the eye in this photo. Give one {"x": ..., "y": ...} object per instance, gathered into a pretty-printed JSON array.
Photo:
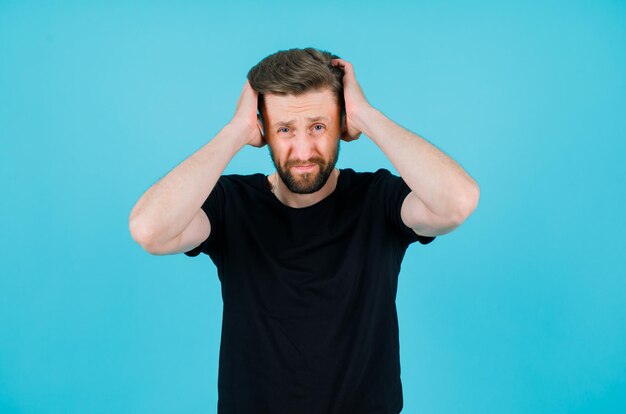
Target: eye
[
  {"x": 283, "y": 129},
  {"x": 319, "y": 127}
]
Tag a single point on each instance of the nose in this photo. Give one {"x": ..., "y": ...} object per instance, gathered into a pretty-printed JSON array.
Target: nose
[{"x": 303, "y": 146}]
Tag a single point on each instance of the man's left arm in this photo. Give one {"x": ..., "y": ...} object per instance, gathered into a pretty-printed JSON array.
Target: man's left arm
[{"x": 442, "y": 194}]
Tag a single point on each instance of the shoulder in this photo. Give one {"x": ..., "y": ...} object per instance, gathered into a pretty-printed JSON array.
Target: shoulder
[
  {"x": 241, "y": 181},
  {"x": 377, "y": 173},
  {"x": 381, "y": 184},
  {"x": 241, "y": 178},
  {"x": 378, "y": 185},
  {"x": 377, "y": 177},
  {"x": 242, "y": 189}
]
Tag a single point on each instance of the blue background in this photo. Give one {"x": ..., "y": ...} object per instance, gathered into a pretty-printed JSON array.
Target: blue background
[{"x": 522, "y": 309}]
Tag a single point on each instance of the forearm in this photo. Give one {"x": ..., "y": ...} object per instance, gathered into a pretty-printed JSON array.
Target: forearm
[
  {"x": 436, "y": 179},
  {"x": 168, "y": 207}
]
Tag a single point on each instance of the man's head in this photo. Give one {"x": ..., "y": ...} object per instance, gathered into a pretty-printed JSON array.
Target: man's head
[
  {"x": 301, "y": 107},
  {"x": 295, "y": 71}
]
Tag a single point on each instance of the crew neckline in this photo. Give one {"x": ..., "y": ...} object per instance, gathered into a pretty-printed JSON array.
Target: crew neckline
[{"x": 267, "y": 190}]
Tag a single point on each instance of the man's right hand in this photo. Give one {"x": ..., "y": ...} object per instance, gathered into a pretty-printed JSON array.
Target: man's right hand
[
  {"x": 246, "y": 117},
  {"x": 169, "y": 218}
]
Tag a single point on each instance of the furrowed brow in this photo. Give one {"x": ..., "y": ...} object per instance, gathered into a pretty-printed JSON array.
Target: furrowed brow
[
  {"x": 283, "y": 123},
  {"x": 292, "y": 121},
  {"x": 318, "y": 118}
]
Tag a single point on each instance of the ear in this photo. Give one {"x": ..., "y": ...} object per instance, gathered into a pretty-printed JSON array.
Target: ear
[
  {"x": 261, "y": 125},
  {"x": 344, "y": 126}
]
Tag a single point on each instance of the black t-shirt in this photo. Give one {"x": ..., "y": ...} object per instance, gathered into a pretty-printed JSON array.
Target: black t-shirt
[{"x": 309, "y": 321}]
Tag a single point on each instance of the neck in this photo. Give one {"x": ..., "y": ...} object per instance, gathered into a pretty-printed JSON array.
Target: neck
[{"x": 296, "y": 200}]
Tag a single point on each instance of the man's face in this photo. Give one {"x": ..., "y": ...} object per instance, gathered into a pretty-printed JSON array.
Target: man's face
[{"x": 303, "y": 134}]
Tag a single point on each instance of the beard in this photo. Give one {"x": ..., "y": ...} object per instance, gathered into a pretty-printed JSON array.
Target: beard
[{"x": 308, "y": 182}]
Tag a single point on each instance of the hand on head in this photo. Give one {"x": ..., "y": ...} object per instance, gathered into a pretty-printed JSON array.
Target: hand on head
[
  {"x": 246, "y": 115},
  {"x": 247, "y": 118},
  {"x": 354, "y": 99}
]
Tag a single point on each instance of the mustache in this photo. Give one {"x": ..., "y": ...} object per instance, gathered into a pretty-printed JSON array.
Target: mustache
[{"x": 297, "y": 163}]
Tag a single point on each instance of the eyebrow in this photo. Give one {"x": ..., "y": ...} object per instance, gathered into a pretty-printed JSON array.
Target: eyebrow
[{"x": 310, "y": 119}]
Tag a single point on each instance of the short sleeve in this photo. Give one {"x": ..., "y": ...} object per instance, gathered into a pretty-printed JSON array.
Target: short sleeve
[
  {"x": 213, "y": 208},
  {"x": 395, "y": 190}
]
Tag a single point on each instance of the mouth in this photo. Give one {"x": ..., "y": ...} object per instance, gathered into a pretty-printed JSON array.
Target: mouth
[{"x": 304, "y": 168}]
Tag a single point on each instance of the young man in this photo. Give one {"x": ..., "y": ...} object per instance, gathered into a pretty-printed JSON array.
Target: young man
[{"x": 308, "y": 257}]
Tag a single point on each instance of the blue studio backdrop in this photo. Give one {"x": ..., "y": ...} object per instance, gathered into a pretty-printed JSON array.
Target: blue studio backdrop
[{"x": 519, "y": 310}]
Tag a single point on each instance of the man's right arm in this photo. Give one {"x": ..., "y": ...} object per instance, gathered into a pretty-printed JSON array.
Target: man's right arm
[{"x": 168, "y": 218}]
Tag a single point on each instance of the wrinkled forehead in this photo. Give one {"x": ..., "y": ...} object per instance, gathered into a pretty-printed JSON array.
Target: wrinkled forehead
[{"x": 315, "y": 102}]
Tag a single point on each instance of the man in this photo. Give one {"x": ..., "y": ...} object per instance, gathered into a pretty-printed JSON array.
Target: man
[{"x": 308, "y": 257}]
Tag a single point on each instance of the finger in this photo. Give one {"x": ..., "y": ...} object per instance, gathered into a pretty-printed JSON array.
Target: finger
[
  {"x": 348, "y": 71},
  {"x": 248, "y": 97},
  {"x": 347, "y": 137},
  {"x": 244, "y": 92},
  {"x": 354, "y": 133},
  {"x": 339, "y": 61},
  {"x": 249, "y": 89},
  {"x": 344, "y": 64}
]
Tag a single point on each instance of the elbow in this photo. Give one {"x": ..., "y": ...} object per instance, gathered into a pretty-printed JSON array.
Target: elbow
[
  {"x": 143, "y": 235},
  {"x": 467, "y": 204},
  {"x": 138, "y": 230}
]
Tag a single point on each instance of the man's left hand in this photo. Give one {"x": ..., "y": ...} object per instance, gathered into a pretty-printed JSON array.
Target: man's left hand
[{"x": 356, "y": 103}]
